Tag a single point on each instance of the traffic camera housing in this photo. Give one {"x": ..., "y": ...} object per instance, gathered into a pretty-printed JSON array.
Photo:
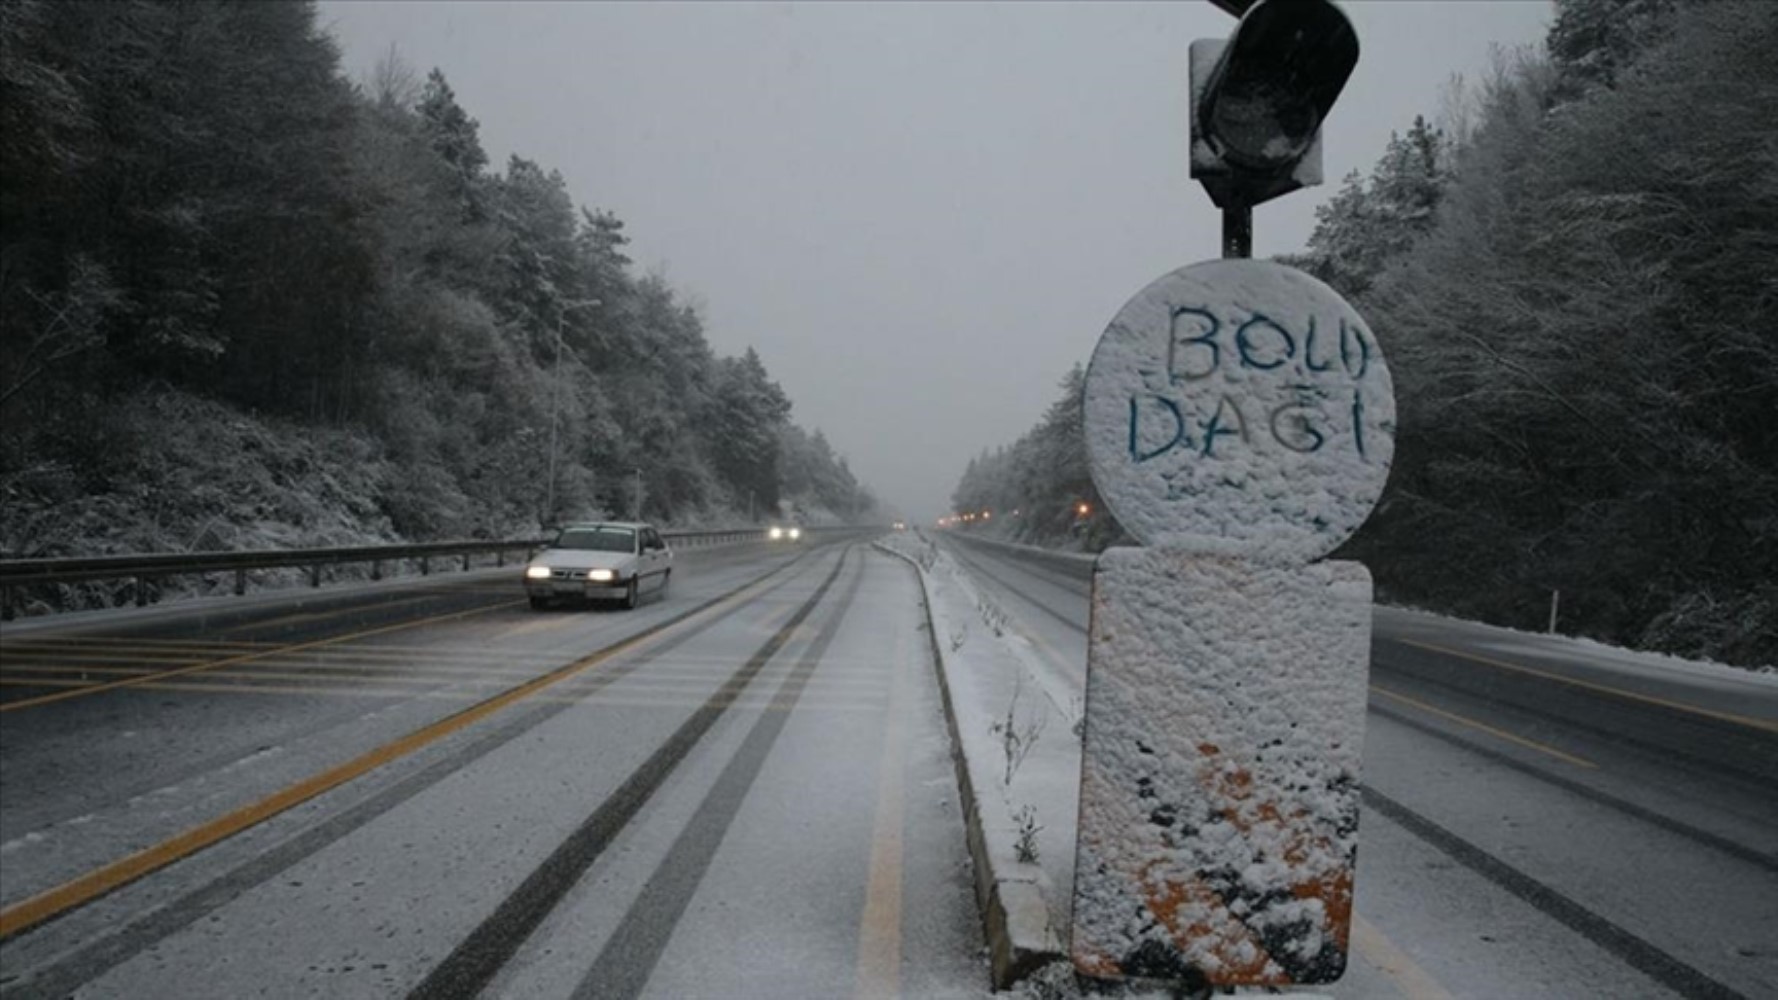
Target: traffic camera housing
[{"x": 1258, "y": 99}]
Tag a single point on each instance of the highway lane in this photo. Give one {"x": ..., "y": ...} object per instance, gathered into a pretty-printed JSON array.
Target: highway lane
[
  {"x": 376, "y": 884},
  {"x": 344, "y": 672},
  {"x": 1543, "y": 818}
]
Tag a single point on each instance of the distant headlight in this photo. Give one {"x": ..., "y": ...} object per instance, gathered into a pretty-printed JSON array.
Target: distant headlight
[
  {"x": 775, "y": 534},
  {"x": 603, "y": 575},
  {"x": 537, "y": 572},
  {"x": 796, "y": 533}
]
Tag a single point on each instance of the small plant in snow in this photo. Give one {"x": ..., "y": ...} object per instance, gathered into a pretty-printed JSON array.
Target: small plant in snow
[
  {"x": 1017, "y": 737},
  {"x": 1078, "y": 709},
  {"x": 926, "y": 553},
  {"x": 958, "y": 634},
  {"x": 992, "y": 614},
  {"x": 1025, "y": 848},
  {"x": 929, "y": 557}
]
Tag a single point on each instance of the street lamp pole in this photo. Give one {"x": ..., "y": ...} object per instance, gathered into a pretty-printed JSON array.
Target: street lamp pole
[
  {"x": 555, "y": 404},
  {"x": 555, "y": 397}
]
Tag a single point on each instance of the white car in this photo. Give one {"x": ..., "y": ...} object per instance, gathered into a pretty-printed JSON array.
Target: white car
[
  {"x": 600, "y": 561},
  {"x": 785, "y": 533}
]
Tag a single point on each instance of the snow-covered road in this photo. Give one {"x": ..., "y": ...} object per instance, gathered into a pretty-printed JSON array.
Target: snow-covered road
[
  {"x": 745, "y": 789},
  {"x": 1544, "y": 817},
  {"x": 742, "y": 790}
]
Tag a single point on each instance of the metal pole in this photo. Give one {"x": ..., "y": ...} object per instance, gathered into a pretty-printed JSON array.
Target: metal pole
[
  {"x": 636, "y": 501},
  {"x": 1237, "y": 231},
  {"x": 1555, "y": 602},
  {"x": 555, "y": 402}
]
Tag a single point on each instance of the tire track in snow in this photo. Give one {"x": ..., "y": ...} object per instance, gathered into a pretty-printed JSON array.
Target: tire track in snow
[
  {"x": 474, "y": 963},
  {"x": 101, "y": 952}
]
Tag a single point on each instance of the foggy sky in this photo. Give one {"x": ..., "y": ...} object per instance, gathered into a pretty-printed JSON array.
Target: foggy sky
[{"x": 920, "y": 215}]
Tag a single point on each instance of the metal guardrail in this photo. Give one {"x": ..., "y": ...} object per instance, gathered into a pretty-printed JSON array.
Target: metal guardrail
[
  {"x": 1075, "y": 564},
  {"x": 16, "y": 573}
]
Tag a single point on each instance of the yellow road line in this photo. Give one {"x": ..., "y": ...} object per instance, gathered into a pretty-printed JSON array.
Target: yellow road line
[
  {"x": 1741, "y": 720},
  {"x": 879, "y": 932},
  {"x": 1484, "y": 727},
  {"x": 95, "y": 883},
  {"x": 1378, "y": 950},
  {"x": 134, "y": 681}
]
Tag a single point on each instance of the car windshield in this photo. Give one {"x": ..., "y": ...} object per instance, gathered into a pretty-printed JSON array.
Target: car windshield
[{"x": 600, "y": 539}]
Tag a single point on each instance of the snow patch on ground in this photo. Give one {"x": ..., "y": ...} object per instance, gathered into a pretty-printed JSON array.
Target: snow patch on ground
[
  {"x": 1630, "y": 661},
  {"x": 1634, "y": 661},
  {"x": 18, "y": 842}
]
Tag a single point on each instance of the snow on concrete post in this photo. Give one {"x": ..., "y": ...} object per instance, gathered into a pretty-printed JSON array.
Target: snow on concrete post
[{"x": 1240, "y": 423}]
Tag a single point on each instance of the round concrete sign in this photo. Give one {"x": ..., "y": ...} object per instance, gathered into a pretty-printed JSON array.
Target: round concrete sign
[{"x": 1241, "y": 408}]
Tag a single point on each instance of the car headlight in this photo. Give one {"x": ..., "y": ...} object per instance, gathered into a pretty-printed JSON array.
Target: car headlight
[
  {"x": 537, "y": 572},
  {"x": 796, "y": 533},
  {"x": 603, "y": 575},
  {"x": 775, "y": 534}
]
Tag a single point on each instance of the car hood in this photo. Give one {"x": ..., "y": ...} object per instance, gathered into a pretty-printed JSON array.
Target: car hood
[{"x": 583, "y": 559}]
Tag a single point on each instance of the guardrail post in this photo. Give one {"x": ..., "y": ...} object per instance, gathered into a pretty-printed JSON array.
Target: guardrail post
[
  {"x": 6, "y": 612},
  {"x": 499, "y": 557},
  {"x": 425, "y": 565},
  {"x": 141, "y": 592},
  {"x": 376, "y": 569},
  {"x": 240, "y": 582},
  {"x": 315, "y": 575},
  {"x": 465, "y": 562}
]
